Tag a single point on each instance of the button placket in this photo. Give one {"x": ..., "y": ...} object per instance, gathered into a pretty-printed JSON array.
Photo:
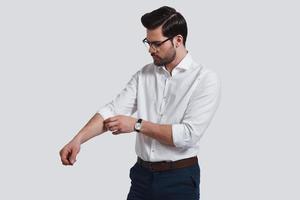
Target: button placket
[
  {"x": 163, "y": 101},
  {"x": 152, "y": 149}
]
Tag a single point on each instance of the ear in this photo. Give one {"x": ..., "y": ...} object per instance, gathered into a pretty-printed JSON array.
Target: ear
[{"x": 178, "y": 41}]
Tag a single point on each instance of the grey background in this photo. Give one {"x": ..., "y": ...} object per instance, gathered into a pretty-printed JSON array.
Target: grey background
[{"x": 61, "y": 60}]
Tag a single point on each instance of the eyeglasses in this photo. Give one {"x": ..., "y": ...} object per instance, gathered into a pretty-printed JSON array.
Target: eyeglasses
[{"x": 154, "y": 45}]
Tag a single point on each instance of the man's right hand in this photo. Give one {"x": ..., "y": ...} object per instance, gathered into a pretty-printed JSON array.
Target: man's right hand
[
  {"x": 69, "y": 152},
  {"x": 93, "y": 128}
]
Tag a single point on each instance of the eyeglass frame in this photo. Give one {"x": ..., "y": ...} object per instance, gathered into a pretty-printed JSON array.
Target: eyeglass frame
[{"x": 156, "y": 44}]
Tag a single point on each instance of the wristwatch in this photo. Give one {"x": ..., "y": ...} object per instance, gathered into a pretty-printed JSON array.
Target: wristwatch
[{"x": 138, "y": 125}]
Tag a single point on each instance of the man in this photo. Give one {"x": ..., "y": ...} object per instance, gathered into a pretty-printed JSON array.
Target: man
[{"x": 175, "y": 99}]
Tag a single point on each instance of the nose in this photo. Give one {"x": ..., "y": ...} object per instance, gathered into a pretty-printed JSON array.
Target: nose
[{"x": 151, "y": 50}]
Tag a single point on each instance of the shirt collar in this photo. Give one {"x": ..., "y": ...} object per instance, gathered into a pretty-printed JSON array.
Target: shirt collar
[{"x": 185, "y": 63}]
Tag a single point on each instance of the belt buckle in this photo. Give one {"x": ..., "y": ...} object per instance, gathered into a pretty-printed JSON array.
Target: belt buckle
[
  {"x": 151, "y": 166},
  {"x": 166, "y": 165},
  {"x": 171, "y": 164}
]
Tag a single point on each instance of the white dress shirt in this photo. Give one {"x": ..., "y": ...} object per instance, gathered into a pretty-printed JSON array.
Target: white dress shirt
[{"x": 187, "y": 100}]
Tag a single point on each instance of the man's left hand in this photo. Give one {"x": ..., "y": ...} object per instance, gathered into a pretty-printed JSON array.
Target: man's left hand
[{"x": 120, "y": 124}]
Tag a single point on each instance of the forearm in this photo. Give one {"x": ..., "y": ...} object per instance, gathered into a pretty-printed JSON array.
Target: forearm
[
  {"x": 93, "y": 128},
  {"x": 160, "y": 132}
]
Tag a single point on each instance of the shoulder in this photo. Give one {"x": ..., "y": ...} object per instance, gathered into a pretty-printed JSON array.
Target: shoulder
[
  {"x": 207, "y": 77},
  {"x": 206, "y": 73},
  {"x": 202, "y": 71},
  {"x": 150, "y": 67},
  {"x": 147, "y": 70}
]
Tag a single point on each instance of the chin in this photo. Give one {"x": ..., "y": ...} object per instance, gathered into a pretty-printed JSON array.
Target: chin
[{"x": 157, "y": 63}]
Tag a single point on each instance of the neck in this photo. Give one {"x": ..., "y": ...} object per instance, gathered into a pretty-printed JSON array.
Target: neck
[{"x": 179, "y": 56}]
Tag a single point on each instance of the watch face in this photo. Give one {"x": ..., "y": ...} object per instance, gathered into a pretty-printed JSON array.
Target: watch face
[{"x": 138, "y": 126}]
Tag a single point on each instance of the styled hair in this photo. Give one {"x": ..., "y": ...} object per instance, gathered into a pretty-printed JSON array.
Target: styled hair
[{"x": 173, "y": 23}]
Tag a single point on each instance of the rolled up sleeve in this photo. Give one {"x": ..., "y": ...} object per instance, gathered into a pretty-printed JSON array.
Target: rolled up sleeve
[
  {"x": 199, "y": 113},
  {"x": 125, "y": 103}
]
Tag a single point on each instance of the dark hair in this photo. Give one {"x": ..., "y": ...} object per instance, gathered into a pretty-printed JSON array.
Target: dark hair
[{"x": 173, "y": 23}]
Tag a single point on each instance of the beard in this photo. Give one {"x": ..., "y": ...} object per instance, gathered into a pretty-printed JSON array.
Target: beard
[{"x": 166, "y": 60}]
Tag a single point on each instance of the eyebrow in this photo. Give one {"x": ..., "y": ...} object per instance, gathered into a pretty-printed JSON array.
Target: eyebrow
[{"x": 152, "y": 41}]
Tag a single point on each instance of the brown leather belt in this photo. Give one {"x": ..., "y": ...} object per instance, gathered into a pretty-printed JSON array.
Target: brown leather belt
[{"x": 168, "y": 165}]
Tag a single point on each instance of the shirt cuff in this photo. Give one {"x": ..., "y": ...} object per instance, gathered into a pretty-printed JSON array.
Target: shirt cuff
[
  {"x": 178, "y": 135},
  {"x": 105, "y": 112}
]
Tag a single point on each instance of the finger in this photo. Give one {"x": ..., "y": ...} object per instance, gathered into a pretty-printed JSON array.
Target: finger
[
  {"x": 64, "y": 154},
  {"x": 111, "y": 124},
  {"x": 111, "y": 119},
  {"x": 73, "y": 155},
  {"x": 114, "y": 128},
  {"x": 116, "y": 132}
]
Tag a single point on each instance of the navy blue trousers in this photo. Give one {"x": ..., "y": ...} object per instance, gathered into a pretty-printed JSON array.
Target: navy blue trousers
[{"x": 175, "y": 184}]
